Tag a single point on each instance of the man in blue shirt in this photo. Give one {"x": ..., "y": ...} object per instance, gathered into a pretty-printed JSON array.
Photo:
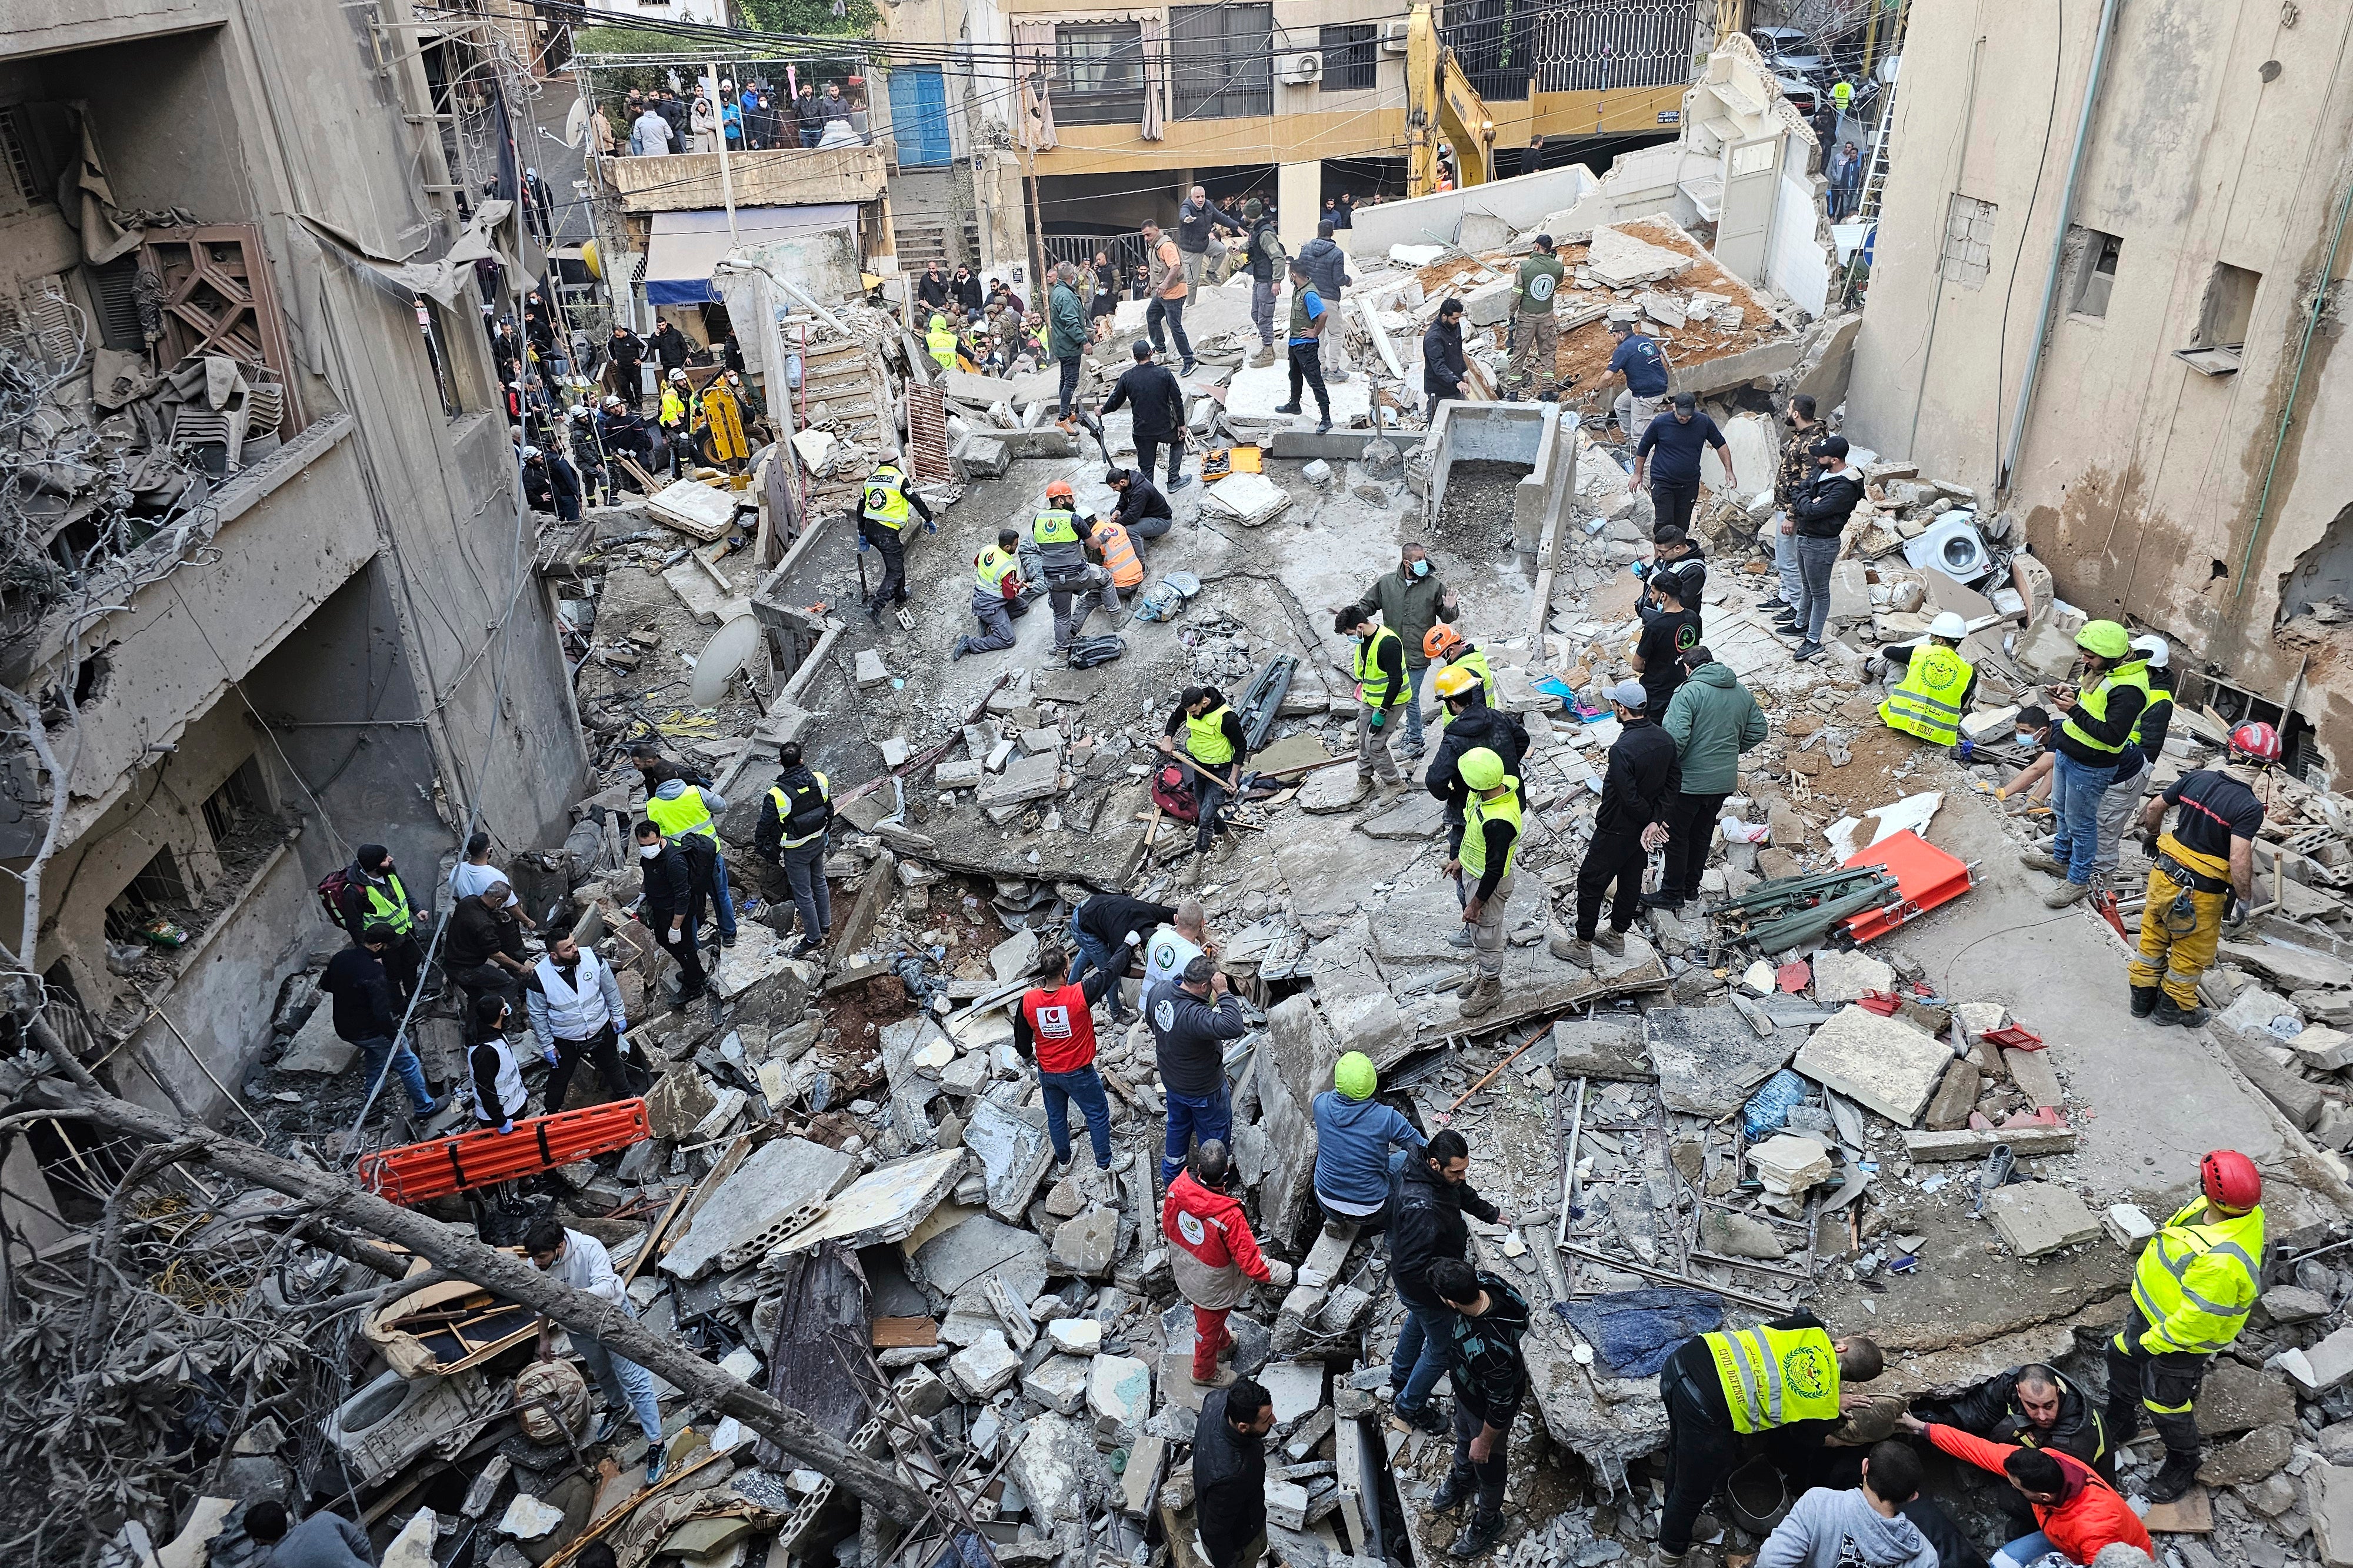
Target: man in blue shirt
[
  {"x": 1308, "y": 316},
  {"x": 1669, "y": 451},
  {"x": 1638, "y": 360}
]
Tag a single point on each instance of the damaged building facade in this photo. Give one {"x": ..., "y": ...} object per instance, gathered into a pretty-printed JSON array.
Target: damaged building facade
[
  {"x": 2170, "y": 430},
  {"x": 314, "y": 622}
]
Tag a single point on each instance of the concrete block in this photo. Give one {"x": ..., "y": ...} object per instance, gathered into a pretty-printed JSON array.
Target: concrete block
[
  {"x": 1052, "y": 1465},
  {"x": 1490, "y": 304},
  {"x": 1971, "y": 1143},
  {"x": 1014, "y": 1153},
  {"x": 2236, "y": 1397},
  {"x": 1250, "y": 499},
  {"x": 2322, "y": 1366},
  {"x": 869, "y": 671},
  {"x": 2246, "y": 1023},
  {"x": 1620, "y": 260},
  {"x": 1843, "y": 977},
  {"x": 1515, "y": 693},
  {"x": 895, "y": 750},
  {"x": 2037, "y": 1218},
  {"x": 980, "y": 457},
  {"x": 770, "y": 1195},
  {"x": 1085, "y": 1245},
  {"x": 1024, "y": 779},
  {"x": 1883, "y": 1063},
  {"x": 1295, "y": 1387},
  {"x": 2329, "y": 1493},
  {"x": 2128, "y": 1225},
  {"x": 2290, "y": 968},
  {"x": 1989, "y": 723},
  {"x": 2295, "y": 1304},
  {"x": 1955, "y": 1098},
  {"x": 958, "y": 775},
  {"x": 1286, "y": 1504},
  {"x": 923, "y": 1394},
  {"x": 2322, "y": 1049},
  {"x": 984, "y": 1367},
  {"x": 1119, "y": 1394},
  {"x": 2258, "y": 1456},
  {"x": 317, "y": 1047},
  {"x": 2298, "y": 1100},
  {"x": 2034, "y": 1076},
  {"x": 1059, "y": 1384},
  {"x": 1788, "y": 1163},
  {"x": 1076, "y": 1336},
  {"x": 1141, "y": 1479}
]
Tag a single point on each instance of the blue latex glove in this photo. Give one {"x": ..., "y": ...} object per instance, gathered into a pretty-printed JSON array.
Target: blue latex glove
[
  {"x": 547, "y": 1054},
  {"x": 864, "y": 544},
  {"x": 620, "y": 1026},
  {"x": 930, "y": 526},
  {"x": 507, "y": 1126}
]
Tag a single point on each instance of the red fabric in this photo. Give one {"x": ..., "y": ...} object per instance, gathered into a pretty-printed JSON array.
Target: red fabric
[
  {"x": 1209, "y": 1336},
  {"x": 1061, "y": 1028},
  {"x": 1223, "y": 1229},
  {"x": 2091, "y": 1516}
]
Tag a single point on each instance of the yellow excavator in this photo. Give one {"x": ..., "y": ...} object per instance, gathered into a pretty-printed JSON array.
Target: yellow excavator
[{"x": 1450, "y": 135}]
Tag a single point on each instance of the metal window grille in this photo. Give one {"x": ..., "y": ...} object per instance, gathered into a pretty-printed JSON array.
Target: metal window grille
[{"x": 1220, "y": 61}]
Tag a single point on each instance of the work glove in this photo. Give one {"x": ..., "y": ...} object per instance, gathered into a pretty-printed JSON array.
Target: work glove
[
  {"x": 1314, "y": 1278},
  {"x": 930, "y": 526},
  {"x": 2234, "y": 913},
  {"x": 1277, "y": 1272},
  {"x": 547, "y": 1054},
  {"x": 1380, "y": 717},
  {"x": 864, "y": 544}
]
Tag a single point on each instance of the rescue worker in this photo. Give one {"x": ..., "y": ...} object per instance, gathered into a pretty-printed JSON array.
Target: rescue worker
[
  {"x": 671, "y": 905},
  {"x": 574, "y": 1005},
  {"x": 1638, "y": 796},
  {"x": 373, "y": 895},
  {"x": 2090, "y": 738},
  {"x": 1483, "y": 871},
  {"x": 2079, "y": 1516},
  {"x": 996, "y": 588},
  {"x": 883, "y": 505},
  {"x": 1354, "y": 1134},
  {"x": 1119, "y": 559},
  {"x": 1783, "y": 1377},
  {"x": 1215, "y": 738},
  {"x": 1489, "y": 1377},
  {"x": 1468, "y": 723},
  {"x": 2193, "y": 1286},
  {"x": 579, "y": 1260},
  {"x": 2205, "y": 862},
  {"x": 676, "y": 418},
  {"x": 1412, "y": 599},
  {"x": 1383, "y": 691},
  {"x": 1449, "y": 650},
  {"x": 795, "y": 818},
  {"x": 2035, "y": 1407},
  {"x": 1054, "y": 1027},
  {"x": 1211, "y": 1252},
  {"x": 1536, "y": 330},
  {"x": 2136, "y": 765},
  {"x": 1229, "y": 1473},
  {"x": 1937, "y": 685},
  {"x": 1062, "y": 551},
  {"x": 1143, "y": 509},
  {"x": 940, "y": 342},
  {"x": 1192, "y": 1017},
  {"x": 1433, "y": 1194},
  {"x": 688, "y": 815},
  {"x": 1668, "y": 632}
]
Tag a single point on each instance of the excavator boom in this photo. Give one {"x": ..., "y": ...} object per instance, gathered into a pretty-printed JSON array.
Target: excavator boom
[{"x": 1443, "y": 111}]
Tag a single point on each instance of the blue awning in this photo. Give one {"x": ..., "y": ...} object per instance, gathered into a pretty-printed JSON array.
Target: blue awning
[{"x": 686, "y": 247}]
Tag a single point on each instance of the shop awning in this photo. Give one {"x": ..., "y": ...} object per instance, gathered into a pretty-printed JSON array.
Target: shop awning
[{"x": 685, "y": 247}]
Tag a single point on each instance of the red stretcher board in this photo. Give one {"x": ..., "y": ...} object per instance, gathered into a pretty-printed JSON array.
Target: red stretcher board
[
  {"x": 419, "y": 1172},
  {"x": 1924, "y": 874}
]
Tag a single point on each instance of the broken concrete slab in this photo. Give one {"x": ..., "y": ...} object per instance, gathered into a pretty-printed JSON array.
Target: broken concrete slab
[
  {"x": 2321, "y": 1367},
  {"x": 958, "y": 1258},
  {"x": 2259, "y": 1454},
  {"x": 1970, "y": 1143},
  {"x": 1014, "y": 1152},
  {"x": 1058, "y": 1382},
  {"x": 984, "y": 1367},
  {"x": 2035, "y": 1076},
  {"x": 2328, "y": 1492},
  {"x": 2298, "y": 1098},
  {"x": 1418, "y": 815},
  {"x": 1025, "y": 779},
  {"x": 760, "y": 977},
  {"x": 316, "y": 1047},
  {"x": 1605, "y": 1045},
  {"x": 775, "y": 1192},
  {"x": 1843, "y": 977},
  {"x": 1076, "y": 1336},
  {"x": 1955, "y": 1098},
  {"x": 1052, "y": 1465},
  {"x": 1787, "y": 1164},
  {"x": 2038, "y": 1218},
  {"x": 884, "y": 1204},
  {"x": 1618, "y": 260},
  {"x": 1119, "y": 1395},
  {"x": 1087, "y": 1245},
  {"x": 1738, "y": 1234},
  {"x": 1708, "y": 1059},
  {"x": 2289, "y": 967},
  {"x": 1295, "y": 1387},
  {"x": 1249, "y": 500},
  {"x": 1883, "y": 1063},
  {"x": 1331, "y": 789}
]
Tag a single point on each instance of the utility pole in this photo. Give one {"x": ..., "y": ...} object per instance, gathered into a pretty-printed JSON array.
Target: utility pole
[{"x": 726, "y": 178}]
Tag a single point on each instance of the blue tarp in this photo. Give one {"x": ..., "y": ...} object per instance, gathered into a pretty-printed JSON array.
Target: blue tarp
[
  {"x": 1633, "y": 1331},
  {"x": 685, "y": 248}
]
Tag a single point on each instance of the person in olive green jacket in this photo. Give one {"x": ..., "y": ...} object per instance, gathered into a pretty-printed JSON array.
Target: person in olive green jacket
[
  {"x": 1712, "y": 719},
  {"x": 1067, "y": 336},
  {"x": 1410, "y": 600}
]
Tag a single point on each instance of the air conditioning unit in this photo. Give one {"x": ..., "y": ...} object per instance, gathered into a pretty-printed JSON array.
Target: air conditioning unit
[
  {"x": 1393, "y": 35},
  {"x": 1299, "y": 69}
]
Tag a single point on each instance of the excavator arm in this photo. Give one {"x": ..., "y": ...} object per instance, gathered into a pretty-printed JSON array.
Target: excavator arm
[{"x": 1442, "y": 110}]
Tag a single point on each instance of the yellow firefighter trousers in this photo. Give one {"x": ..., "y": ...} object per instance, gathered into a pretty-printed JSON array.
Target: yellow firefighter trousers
[{"x": 2172, "y": 954}]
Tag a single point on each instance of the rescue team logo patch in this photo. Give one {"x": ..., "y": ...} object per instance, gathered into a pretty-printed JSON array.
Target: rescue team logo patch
[
  {"x": 1807, "y": 1371},
  {"x": 1190, "y": 1227},
  {"x": 1164, "y": 1015},
  {"x": 1054, "y": 1023},
  {"x": 1540, "y": 286}
]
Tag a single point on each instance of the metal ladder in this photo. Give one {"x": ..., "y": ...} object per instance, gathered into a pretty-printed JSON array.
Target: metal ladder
[{"x": 1874, "y": 176}]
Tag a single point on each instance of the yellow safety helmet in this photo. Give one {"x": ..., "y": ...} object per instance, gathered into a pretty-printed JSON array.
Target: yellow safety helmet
[
  {"x": 2105, "y": 639},
  {"x": 1454, "y": 681},
  {"x": 1481, "y": 768}
]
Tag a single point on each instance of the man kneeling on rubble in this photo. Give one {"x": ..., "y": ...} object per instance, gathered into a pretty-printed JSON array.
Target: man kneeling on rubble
[
  {"x": 2079, "y": 1513},
  {"x": 2035, "y": 1407},
  {"x": 1784, "y": 1378},
  {"x": 581, "y": 1262},
  {"x": 1213, "y": 1255}
]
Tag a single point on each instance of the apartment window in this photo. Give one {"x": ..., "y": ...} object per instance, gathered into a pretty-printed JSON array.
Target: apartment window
[
  {"x": 1969, "y": 241},
  {"x": 158, "y": 887},
  {"x": 1220, "y": 61},
  {"x": 233, "y": 804},
  {"x": 1352, "y": 52},
  {"x": 2096, "y": 272},
  {"x": 1098, "y": 73},
  {"x": 2222, "y": 316}
]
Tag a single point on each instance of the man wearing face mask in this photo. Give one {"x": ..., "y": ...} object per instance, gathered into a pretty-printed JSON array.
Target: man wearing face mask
[
  {"x": 1409, "y": 601},
  {"x": 672, "y": 906}
]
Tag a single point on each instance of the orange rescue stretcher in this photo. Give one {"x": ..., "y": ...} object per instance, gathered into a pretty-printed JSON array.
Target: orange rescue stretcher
[{"x": 417, "y": 1172}]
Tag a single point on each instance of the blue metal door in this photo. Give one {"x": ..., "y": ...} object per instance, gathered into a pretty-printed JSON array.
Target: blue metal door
[{"x": 919, "y": 116}]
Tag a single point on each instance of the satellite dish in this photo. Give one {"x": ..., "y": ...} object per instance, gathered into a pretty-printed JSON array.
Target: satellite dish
[
  {"x": 576, "y": 124},
  {"x": 729, "y": 649}
]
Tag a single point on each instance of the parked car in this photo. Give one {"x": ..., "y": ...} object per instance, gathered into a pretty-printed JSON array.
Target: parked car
[
  {"x": 1800, "y": 92},
  {"x": 1788, "y": 51}
]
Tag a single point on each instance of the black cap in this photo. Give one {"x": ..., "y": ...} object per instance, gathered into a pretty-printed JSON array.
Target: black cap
[
  {"x": 1830, "y": 447},
  {"x": 1685, "y": 400}
]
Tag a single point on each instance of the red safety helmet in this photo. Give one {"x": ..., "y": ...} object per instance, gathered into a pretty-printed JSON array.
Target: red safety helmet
[
  {"x": 2260, "y": 742},
  {"x": 2232, "y": 1182}
]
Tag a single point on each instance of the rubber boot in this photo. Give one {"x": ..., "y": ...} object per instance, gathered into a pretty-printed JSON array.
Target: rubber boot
[
  {"x": 1483, "y": 1530},
  {"x": 2144, "y": 1000},
  {"x": 2171, "y": 1013}
]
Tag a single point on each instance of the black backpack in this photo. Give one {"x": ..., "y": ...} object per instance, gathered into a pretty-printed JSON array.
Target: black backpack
[{"x": 1088, "y": 652}]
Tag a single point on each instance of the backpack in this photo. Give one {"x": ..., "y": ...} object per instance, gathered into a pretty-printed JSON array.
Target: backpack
[
  {"x": 332, "y": 888},
  {"x": 1088, "y": 652},
  {"x": 1172, "y": 791}
]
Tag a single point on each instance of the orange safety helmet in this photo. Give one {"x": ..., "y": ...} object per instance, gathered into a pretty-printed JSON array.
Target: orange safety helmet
[
  {"x": 2230, "y": 1180},
  {"x": 1441, "y": 642},
  {"x": 2260, "y": 742},
  {"x": 1059, "y": 489}
]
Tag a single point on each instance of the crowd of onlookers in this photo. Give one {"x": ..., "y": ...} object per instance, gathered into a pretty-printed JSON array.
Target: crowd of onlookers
[{"x": 751, "y": 115}]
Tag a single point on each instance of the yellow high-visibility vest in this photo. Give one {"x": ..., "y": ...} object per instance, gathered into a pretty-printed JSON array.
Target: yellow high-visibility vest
[
  {"x": 1927, "y": 703},
  {"x": 1475, "y": 661},
  {"x": 2196, "y": 1282},
  {"x": 2157, "y": 697},
  {"x": 992, "y": 567},
  {"x": 941, "y": 343},
  {"x": 1055, "y": 526},
  {"x": 679, "y": 818},
  {"x": 885, "y": 501},
  {"x": 1477, "y": 812},
  {"x": 388, "y": 912},
  {"x": 1204, "y": 738},
  {"x": 786, "y": 811},
  {"x": 1372, "y": 682},
  {"x": 2093, "y": 700},
  {"x": 1772, "y": 1377}
]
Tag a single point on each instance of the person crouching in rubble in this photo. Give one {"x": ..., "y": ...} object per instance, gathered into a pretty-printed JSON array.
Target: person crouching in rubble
[
  {"x": 323, "y": 1541},
  {"x": 1490, "y": 1377},
  {"x": 581, "y": 1262},
  {"x": 1432, "y": 1194},
  {"x": 1782, "y": 1381},
  {"x": 2080, "y": 1515},
  {"x": 2035, "y": 1406},
  {"x": 1213, "y": 1253},
  {"x": 1214, "y": 739},
  {"x": 1054, "y": 1027},
  {"x": 996, "y": 588},
  {"x": 1354, "y": 1135}
]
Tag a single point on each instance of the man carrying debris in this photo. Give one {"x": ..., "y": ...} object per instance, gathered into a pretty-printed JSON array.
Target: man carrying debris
[
  {"x": 882, "y": 507},
  {"x": 2207, "y": 860},
  {"x": 1143, "y": 512},
  {"x": 367, "y": 1017},
  {"x": 2035, "y": 1407},
  {"x": 1818, "y": 515},
  {"x": 1215, "y": 740},
  {"x": 1427, "y": 1229},
  {"x": 1054, "y": 1027},
  {"x": 1309, "y": 315},
  {"x": 1409, "y": 601},
  {"x": 1382, "y": 689},
  {"x": 575, "y": 1009},
  {"x": 1443, "y": 367},
  {"x": 1864, "y": 1527},
  {"x": 1937, "y": 685},
  {"x": 1638, "y": 361},
  {"x": 1796, "y": 462},
  {"x": 1211, "y": 1252},
  {"x": 2096, "y": 726},
  {"x": 1158, "y": 400},
  {"x": 482, "y": 950},
  {"x": 1536, "y": 330},
  {"x": 580, "y": 1261},
  {"x": 1470, "y": 724},
  {"x": 1354, "y": 1135},
  {"x": 1192, "y": 1017},
  {"x": 1783, "y": 1378},
  {"x": 996, "y": 589},
  {"x": 688, "y": 813},
  {"x": 1229, "y": 1473},
  {"x": 2136, "y": 764},
  {"x": 671, "y": 908},
  {"x": 1712, "y": 720},
  {"x": 1482, "y": 872},
  {"x": 1062, "y": 551},
  {"x": 1490, "y": 1378},
  {"x": 1638, "y": 795},
  {"x": 2079, "y": 1513},
  {"x": 794, "y": 817},
  {"x": 1677, "y": 441},
  {"x": 1170, "y": 291},
  {"x": 2193, "y": 1286}
]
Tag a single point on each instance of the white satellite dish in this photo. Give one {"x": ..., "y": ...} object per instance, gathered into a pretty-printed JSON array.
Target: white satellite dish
[
  {"x": 729, "y": 648},
  {"x": 576, "y": 124}
]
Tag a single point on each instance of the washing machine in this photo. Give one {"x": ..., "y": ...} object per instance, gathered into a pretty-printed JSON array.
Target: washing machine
[{"x": 1952, "y": 546}]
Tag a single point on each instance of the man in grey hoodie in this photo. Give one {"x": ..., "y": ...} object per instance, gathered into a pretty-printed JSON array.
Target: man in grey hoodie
[{"x": 1860, "y": 1529}]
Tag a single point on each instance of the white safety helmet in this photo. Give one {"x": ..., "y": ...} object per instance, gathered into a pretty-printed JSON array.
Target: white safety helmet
[
  {"x": 1948, "y": 625},
  {"x": 2154, "y": 646},
  {"x": 529, "y": 452}
]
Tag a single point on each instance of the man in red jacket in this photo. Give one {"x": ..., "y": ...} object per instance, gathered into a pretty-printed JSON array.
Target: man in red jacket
[
  {"x": 1055, "y": 1026},
  {"x": 1212, "y": 1252},
  {"x": 2079, "y": 1512}
]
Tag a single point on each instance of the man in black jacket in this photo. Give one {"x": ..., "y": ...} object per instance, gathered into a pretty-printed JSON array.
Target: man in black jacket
[
  {"x": 1194, "y": 215},
  {"x": 1670, "y": 630},
  {"x": 669, "y": 346},
  {"x": 2035, "y": 1406},
  {"x": 1819, "y": 517},
  {"x": 1327, "y": 270},
  {"x": 1443, "y": 368},
  {"x": 1229, "y": 1473},
  {"x": 483, "y": 949},
  {"x": 1157, "y": 404},
  {"x": 1192, "y": 1017},
  {"x": 366, "y": 1016},
  {"x": 1470, "y": 724},
  {"x": 1143, "y": 511},
  {"x": 672, "y": 908},
  {"x": 1489, "y": 1377},
  {"x": 1637, "y": 796},
  {"x": 1429, "y": 1196},
  {"x": 1108, "y": 930},
  {"x": 374, "y": 895},
  {"x": 626, "y": 352},
  {"x": 966, "y": 291},
  {"x": 795, "y": 819},
  {"x": 931, "y": 288}
]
